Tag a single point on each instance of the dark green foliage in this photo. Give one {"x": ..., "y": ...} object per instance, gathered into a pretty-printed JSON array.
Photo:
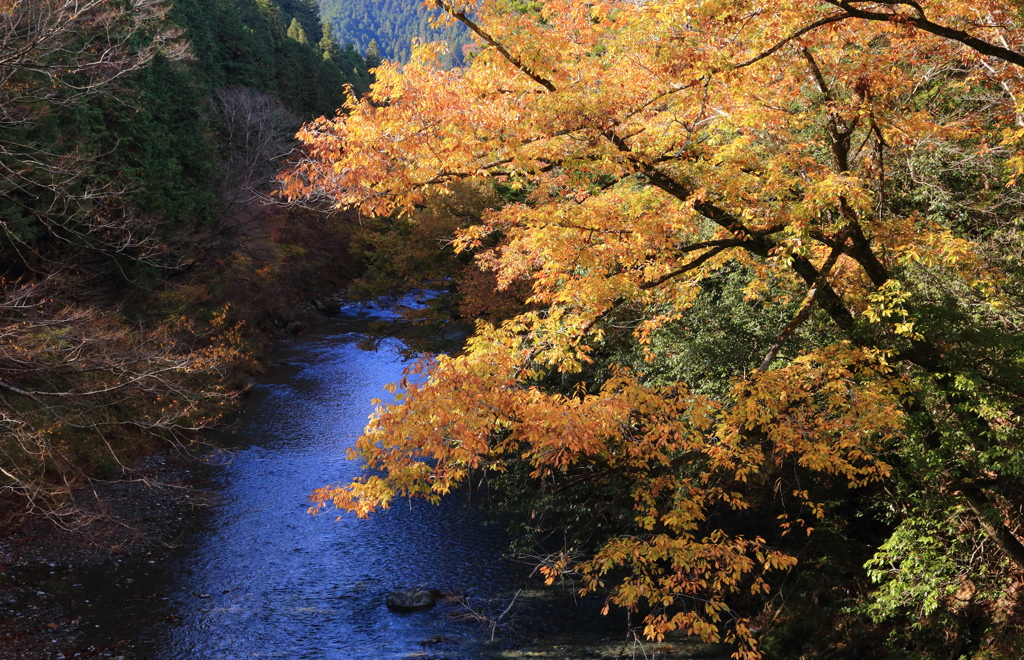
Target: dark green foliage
[
  {"x": 151, "y": 150},
  {"x": 392, "y": 24},
  {"x": 231, "y": 41},
  {"x": 275, "y": 48},
  {"x": 166, "y": 145},
  {"x": 159, "y": 142},
  {"x": 307, "y": 14}
]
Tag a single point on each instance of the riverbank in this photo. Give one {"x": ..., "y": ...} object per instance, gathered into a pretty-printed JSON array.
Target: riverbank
[
  {"x": 156, "y": 571},
  {"x": 54, "y": 572}
]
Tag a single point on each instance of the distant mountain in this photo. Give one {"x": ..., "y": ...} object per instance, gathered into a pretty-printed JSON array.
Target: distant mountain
[{"x": 391, "y": 25}]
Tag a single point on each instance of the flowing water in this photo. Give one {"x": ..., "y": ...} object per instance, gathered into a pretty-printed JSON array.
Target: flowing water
[
  {"x": 261, "y": 578},
  {"x": 270, "y": 581}
]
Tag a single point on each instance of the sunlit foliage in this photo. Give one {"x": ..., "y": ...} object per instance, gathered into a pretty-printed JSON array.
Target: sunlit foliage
[{"x": 852, "y": 164}]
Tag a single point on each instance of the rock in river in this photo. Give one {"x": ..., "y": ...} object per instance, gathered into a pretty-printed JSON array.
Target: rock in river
[{"x": 410, "y": 600}]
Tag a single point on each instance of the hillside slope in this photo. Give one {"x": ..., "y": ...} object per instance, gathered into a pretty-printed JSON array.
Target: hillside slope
[{"x": 391, "y": 25}]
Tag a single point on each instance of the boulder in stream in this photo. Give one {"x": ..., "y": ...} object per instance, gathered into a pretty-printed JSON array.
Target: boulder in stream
[
  {"x": 326, "y": 306},
  {"x": 411, "y": 600}
]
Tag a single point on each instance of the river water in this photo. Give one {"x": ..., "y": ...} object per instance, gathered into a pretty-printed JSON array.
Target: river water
[
  {"x": 258, "y": 577},
  {"x": 268, "y": 580}
]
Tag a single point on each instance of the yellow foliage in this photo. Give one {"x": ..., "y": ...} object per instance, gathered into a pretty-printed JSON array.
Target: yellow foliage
[{"x": 655, "y": 144}]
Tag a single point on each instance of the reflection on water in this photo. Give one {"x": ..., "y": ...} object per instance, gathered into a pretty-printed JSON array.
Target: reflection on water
[
  {"x": 270, "y": 581},
  {"x": 263, "y": 579}
]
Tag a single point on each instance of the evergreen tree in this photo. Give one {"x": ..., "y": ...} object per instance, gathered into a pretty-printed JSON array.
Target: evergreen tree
[
  {"x": 296, "y": 33},
  {"x": 393, "y": 24},
  {"x": 372, "y": 56},
  {"x": 328, "y": 46},
  {"x": 307, "y": 12}
]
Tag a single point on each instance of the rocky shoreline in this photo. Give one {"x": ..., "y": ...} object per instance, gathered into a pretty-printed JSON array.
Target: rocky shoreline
[{"x": 54, "y": 572}]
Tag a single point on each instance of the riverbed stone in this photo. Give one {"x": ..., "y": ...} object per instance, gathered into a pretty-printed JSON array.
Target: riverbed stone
[
  {"x": 327, "y": 306},
  {"x": 411, "y": 600}
]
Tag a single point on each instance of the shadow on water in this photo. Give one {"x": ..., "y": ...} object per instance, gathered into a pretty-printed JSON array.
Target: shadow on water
[
  {"x": 269, "y": 580},
  {"x": 261, "y": 578}
]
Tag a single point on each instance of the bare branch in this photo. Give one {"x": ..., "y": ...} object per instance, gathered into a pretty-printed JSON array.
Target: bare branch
[
  {"x": 515, "y": 61},
  {"x": 921, "y": 22}
]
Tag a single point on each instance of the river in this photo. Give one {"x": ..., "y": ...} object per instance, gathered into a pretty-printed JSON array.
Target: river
[
  {"x": 258, "y": 577},
  {"x": 269, "y": 580}
]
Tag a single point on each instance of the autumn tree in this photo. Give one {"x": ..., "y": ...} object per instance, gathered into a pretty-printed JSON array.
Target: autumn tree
[
  {"x": 846, "y": 169},
  {"x": 82, "y": 383}
]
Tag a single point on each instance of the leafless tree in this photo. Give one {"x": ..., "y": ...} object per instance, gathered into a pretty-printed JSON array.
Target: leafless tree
[
  {"x": 259, "y": 132},
  {"x": 78, "y": 385},
  {"x": 59, "y": 51}
]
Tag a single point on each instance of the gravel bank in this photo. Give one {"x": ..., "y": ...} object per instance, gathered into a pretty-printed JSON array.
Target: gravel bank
[{"x": 60, "y": 580}]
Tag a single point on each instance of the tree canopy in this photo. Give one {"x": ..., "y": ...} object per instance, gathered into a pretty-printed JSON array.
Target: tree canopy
[
  {"x": 392, "y": 25},
  {"x": 843, "y": 173},
  {"x": 138, "y": 142}
]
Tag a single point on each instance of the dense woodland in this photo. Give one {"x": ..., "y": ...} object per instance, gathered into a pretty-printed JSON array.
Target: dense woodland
[
  {"x": 386, "y": 28},
  {"x": 748, "y": 295},
  {"x": 142, "y": 260}
]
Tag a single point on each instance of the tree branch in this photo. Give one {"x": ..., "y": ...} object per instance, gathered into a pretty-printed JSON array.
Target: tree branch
[
  {"x": 805, "y": 308},
  {"x": 922, "y": 23},
  {"x": 988, "y": 518},
  {"x": 834, "y": 18},
  {"x": 515, "y": 61}
]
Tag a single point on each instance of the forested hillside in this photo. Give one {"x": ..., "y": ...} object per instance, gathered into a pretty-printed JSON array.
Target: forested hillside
[
  {"x": 139, "y": 254},
  {"x": 386, "y": 28}
]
